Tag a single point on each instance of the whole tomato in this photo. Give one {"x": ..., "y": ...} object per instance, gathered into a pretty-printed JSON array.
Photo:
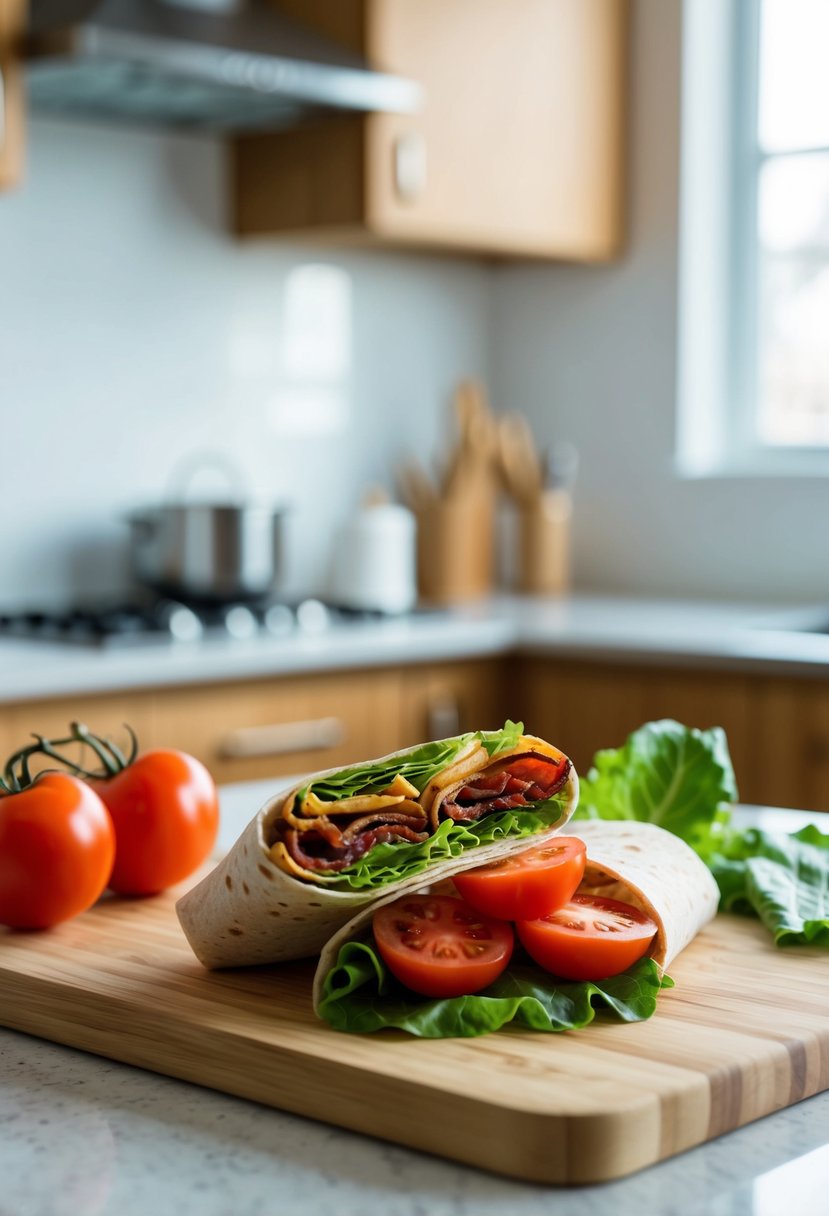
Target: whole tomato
[
  {"x": 57, "y": 846},
  {"x": 166, "y": 815}
]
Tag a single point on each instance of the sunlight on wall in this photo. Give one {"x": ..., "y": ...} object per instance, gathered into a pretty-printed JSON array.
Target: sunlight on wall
[{"x": 315, "y": 354}]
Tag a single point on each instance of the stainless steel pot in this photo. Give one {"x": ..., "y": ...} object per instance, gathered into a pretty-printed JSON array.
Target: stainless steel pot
[{"x": 210, "y": 552}]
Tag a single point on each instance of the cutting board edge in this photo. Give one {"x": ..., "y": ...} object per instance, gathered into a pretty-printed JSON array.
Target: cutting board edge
[{"x": 585, "y": 1147}]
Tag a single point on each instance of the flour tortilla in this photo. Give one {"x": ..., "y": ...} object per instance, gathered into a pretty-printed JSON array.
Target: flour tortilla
[
  {"x": 638, "y": 863},
  {"x": 248, "y": 910}
]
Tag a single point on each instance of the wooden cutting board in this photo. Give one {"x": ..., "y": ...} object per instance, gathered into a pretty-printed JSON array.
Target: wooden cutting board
[{"x": 745, "y": 1032}]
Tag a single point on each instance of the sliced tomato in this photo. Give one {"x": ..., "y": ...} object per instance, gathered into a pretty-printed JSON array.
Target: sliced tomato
[
  {"x": 439, "y": 946},
  {"x": 526, "y": 885},
  {"x": 590, "y": 938}
]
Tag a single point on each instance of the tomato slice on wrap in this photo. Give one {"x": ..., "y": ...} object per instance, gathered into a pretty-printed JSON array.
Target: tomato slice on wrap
[
  {"x": 528, "y": 884},
  {"x": 590, "y": 938},
  {"x": 441, "y": 947}
]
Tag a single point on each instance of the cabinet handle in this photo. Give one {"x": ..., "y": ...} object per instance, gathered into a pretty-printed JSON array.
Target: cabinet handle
[
  {"x": 409, "y": 166},
  {"x": 280, "y": 738},
  {"x": 443, "y": 717}
]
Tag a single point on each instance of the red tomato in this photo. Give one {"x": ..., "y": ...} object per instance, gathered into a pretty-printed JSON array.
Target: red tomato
[
  {"x": 166, "y": 815},
  {"x": 57, "y": 845},
  {"x": 527, "y": 885},
  {"x": 439, "y": 946},
  {"x": 590, "y": 938}
]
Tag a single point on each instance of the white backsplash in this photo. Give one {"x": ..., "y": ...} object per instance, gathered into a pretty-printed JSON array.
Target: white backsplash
[{"x": 136, "y": 331}]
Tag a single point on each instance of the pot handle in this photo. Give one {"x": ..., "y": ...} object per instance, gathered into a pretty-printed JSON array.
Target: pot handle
[{"x": 188, "y": 468}]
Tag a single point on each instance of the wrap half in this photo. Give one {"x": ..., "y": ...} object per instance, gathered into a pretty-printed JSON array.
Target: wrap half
[
  {"x": 638, "y": 863},
  {"x": 318, "y": 853}
]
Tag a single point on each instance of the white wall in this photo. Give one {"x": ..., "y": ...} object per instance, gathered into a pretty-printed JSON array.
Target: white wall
[
  {"x": 134, "y": 330},
  {"x": 590, "y": 354}
]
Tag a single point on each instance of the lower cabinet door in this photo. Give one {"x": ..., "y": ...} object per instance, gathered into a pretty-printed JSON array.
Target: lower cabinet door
[{"x": 247, "y": 730}]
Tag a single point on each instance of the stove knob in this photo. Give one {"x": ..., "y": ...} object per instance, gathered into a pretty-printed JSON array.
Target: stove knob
[
  {"x": 312, "y": 616},
  {"x": 240, "y": 622},
  {"x": 181, "y": 622},
  {"x": 278, "y": 620}
]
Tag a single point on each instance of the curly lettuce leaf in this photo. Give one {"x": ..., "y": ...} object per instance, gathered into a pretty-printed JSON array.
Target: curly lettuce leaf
[
  {"x": 419, "y": 766},
  {"x": 399, "y": 859},
  {"x": 682, "y": 779},
  {"x": 665, "y": 773},
  {"x": 361, "y": 996},
  {"x": 497, "y": 741},
  {"x": 782, "y": 879}
]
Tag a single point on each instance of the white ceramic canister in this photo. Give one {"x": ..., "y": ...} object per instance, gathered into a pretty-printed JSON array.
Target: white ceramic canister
[{"x": 374, "y": 560}]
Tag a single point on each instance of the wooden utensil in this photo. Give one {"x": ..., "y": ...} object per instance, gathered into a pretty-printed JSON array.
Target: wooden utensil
[
  {"x": 520, "y": 464},
  {"x": 470, "y": 465},
  {"x": 417, "y": 489}
]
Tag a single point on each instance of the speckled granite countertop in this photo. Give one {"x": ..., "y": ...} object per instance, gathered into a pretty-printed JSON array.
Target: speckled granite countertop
[
  {"x": 82, "y": 1136},
  {"x": 738, "y": 637}
]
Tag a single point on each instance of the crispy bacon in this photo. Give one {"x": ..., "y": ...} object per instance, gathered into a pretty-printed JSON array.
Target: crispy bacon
[
  {"x": 522, "y": 781},
  {"x": 319, "y": 844},
  {"x": 313, "y": 853}
]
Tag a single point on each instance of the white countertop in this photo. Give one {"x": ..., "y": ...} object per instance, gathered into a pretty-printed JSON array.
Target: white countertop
[
  {"x": 740, "y": 637},
  {"x": 83, "y": 1136}
]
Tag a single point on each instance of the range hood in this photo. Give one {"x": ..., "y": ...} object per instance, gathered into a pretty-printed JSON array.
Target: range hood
[{"x": 212, "y": 65}]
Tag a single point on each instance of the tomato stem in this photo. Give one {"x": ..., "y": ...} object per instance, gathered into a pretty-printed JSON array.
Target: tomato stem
[{"x": 17, "y": 775}]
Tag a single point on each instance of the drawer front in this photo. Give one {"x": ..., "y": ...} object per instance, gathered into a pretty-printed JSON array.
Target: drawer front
[
  {"x": 246, "y": 731},
  {"x": 584, "y": 707},
  {"x": 443, "y": 699}
]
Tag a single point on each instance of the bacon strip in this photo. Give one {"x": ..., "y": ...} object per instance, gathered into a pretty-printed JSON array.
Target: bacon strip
[
  {"x": 319, "y": 844},
  {"x": 522, "y": 781},
  {"x": 298, "y": 845}
]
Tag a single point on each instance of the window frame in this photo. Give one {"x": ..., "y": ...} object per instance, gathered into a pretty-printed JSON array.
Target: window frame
[{"x": 718, "y": 411}]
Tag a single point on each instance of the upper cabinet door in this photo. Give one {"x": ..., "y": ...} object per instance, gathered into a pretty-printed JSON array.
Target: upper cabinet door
[
  {"x": 12, "y": 16},
  {"x": 517, "y": 150}
]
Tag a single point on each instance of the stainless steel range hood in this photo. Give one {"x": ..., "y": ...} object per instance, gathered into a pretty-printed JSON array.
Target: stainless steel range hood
[{"x": 202, "y": 65}]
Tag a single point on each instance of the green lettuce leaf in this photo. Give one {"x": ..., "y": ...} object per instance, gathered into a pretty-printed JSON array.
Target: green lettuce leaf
[
  {"x": 360, "y": 996},
  {"x": 668, "y": 774},
  {"x": 682, "y": 779},
  {"x": 497, "y": 741},
  {"x": 395, "y": 860},
  {"x": 419, "y": 767},
  {"x": 782, "y": 879}
]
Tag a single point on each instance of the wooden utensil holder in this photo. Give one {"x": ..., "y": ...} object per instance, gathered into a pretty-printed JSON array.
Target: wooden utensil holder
[
  {"x": 455, "y": 548},
  {"x": 544, "y": 544}
]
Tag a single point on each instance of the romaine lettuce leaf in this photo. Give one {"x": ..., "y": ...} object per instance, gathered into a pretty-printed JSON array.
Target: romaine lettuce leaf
[
  {"x": 782, "y": 879},
  {"x": 682, "y": 779},
  {"x": 394, "y": 860},
  {"x": 360, "y": 995},
  {"x": 497, "y": 741},
  {"x": 419, "y": 767},
  {"x": 668, "y": 774}
]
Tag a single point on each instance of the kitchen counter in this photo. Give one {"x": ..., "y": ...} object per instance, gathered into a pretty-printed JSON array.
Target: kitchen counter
[
  {"x": 735, "y": 637},
  {"x": 82, "y": 1136}
]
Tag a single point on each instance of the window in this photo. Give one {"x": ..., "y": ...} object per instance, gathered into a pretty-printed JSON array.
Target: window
[{"x": 754, "y": 267}]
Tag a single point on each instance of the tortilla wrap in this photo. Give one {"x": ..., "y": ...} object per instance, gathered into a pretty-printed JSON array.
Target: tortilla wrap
[
  {"x": 251, "y": 909},
  {"x": 638, "y": 863}
]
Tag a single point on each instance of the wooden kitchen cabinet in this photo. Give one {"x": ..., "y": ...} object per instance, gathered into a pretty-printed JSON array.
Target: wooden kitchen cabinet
[
  {"x": 104, "y": 715},
  {"x": 252, "y": 729},
  {"x": 518, "y": 148},
  {"x": 791, "y": 742},
  {"x": 584, "y": 706},
  {"x": 12, "y": 16},
  {"x": 443, "y": 699}
]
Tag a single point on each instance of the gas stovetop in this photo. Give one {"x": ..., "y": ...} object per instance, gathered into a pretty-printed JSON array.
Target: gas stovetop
[{"x": 167, "y": 621}]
